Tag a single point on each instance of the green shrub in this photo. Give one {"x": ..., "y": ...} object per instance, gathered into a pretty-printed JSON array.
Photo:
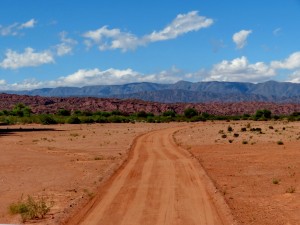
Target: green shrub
[
  {"x": 47, "y": 119},
  {"x": 77, "y": 113},
  {"x": 116, "y": 113},
  {"x": 86, "y": 119},
  {"x": 169, "y": 113},
  {"x": 280, "y": 142},
  {"x": 63, "y": 112},
  {"x": 21, "y": 110},
  {"x": 118, "y": 119},
  {"x": 190, "y": 112},
  {"x": 31, "y": 208},
  {"x": 262, "y": 114},
  {"x": 275, "y": 181},
  {"x": 245, "y": 116},
  {"x": 150, "y": 120},
  {"x": 291, "y": 190},
  {"x": 101, "y": 119},
  {"x": 73, "y": 120},
  {"x": 229, "y": 129},
  {"x": 142, "y": 114},
  {"x": 86, "y": 113},
  {"x": 198, "y": 118}
]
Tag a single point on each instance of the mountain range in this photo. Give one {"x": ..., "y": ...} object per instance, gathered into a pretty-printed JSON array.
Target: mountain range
[{"x": 182, "y": 91}]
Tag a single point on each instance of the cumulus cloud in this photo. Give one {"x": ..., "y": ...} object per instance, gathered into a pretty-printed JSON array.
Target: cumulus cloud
[
  {"x": 95, "y": 76},
  {"x": 15, "y": 28},
  {"x": 240, "y": 38},
  {"x": 240, "y": 69},
  {"x": 237, "y": 70},
  {"x": 292, "y": 62},
  {"x": 87, "y": 77},
  {"x": 109, "y": 39},
  {"x": 29, "y": 58},
  {"x": 66, "y": 46},
  {"x": 294, "y": 77}
]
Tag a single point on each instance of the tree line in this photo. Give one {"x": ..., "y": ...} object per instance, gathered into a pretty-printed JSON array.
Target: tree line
[{"x": 21, "y": 113}]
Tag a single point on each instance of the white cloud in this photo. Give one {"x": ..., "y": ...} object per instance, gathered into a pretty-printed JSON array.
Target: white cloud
[
  {"x": 29, "y": 58},
  {"x": 277, "y": 31},
  {"x": 29, "y": 24},
  {"x": 108, "y": 39},
  {"x": 292, "y": 62},
  {"x": 237, "y": 70},
  {"x": 240, "y": 38},
  {"x": 182, "y": 24},
  {"x": 240, "y": 69},
  {"x": 294, "y": 77},
  {"x": 66, "y": 46},
  {"x": 87, "y": 77},
  {"x": 14, "y": 29},
  {"x": 10, "y": 30}
]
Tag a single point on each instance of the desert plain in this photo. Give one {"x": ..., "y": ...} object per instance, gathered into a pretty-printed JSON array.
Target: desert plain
[{"x": 248, "y": 170}]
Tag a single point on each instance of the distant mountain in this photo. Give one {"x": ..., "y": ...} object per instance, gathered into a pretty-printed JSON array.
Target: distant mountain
[{"x": 182, "y": 91}]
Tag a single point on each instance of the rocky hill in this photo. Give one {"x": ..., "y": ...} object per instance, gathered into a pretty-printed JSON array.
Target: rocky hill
[
  {"x": 182, "y": 91},
  {"x": 52, "y": 104}
]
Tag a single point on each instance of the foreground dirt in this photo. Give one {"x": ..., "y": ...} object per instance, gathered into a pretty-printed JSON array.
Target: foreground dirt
[
  {"x": 63, "y": 163},
  {"x": 259, "y": 179},
  {"x": 74, "y": 166},
  {"x": 160, "y": 184}
]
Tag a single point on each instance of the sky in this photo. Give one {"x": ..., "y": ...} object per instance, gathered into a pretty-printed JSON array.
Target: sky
[{"x": 53, "y": 43}]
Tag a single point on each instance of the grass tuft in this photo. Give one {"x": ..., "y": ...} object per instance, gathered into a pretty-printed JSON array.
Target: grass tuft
[{"x": 31, "y": 208}]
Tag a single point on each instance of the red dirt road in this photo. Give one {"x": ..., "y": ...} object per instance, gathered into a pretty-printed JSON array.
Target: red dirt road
[{"x": 160, "y": 184}]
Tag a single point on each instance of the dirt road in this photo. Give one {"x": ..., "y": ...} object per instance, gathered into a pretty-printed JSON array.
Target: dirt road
[{"x": 160, "y": 184}]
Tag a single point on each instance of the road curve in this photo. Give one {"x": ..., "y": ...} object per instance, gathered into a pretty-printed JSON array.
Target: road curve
[{"x": 160, "y": 184}]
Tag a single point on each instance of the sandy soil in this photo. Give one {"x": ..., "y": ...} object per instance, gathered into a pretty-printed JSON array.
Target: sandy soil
[
  {"x": 259, "y": 179},
  {"x": 72, "y": 165},
  {"x": 64, "y": 163},
  {"x": 160, "y": 184}
]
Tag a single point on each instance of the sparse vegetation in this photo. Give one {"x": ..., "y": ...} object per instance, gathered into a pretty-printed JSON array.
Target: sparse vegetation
[
  {"x": 21, "y": 113},
  {"x": 98, "y": 158},
  {"x": 89, "y": 193},
  {"x": 280, "y": 142},
  {"x": 244, "y": 142},
  {"x": 291, "y": 190},
  {"x": 275, "y": 181},
  {"x": 31, "y": 208}
]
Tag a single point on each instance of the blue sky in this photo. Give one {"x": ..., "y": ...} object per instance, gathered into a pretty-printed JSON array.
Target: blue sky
[{"x": 78, "y": 43}]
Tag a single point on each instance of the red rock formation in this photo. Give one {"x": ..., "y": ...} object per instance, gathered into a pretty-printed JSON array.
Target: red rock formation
[{"x": 52, "y": 104}]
